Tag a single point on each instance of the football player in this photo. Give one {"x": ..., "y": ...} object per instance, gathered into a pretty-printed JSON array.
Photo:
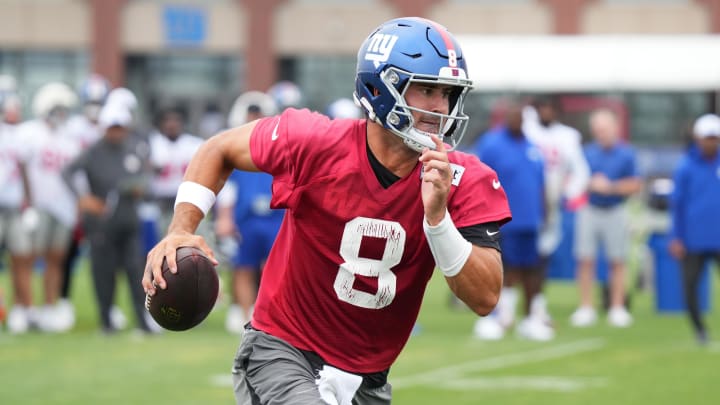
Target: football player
[
  {"x": 93, "y": 92},
  {"x": 14, "y": 199},
  {"x": 50, "y": 148},
  {"x": 373, "y": 206},
  {"x": 567, "y": 175},
  {"x": 171, "y": 149}
]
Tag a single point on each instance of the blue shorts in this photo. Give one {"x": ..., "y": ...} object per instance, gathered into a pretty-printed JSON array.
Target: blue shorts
[
  {"x": 258, "y": 235},
  {"x": 520, "y": 249}
]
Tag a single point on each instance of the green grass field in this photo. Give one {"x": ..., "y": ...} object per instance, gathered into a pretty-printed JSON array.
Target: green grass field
[{"x": 654, "y": 362}]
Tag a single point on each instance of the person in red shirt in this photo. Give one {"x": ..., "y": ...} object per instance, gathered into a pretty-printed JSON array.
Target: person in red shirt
[{"x": 373, "y": 205}]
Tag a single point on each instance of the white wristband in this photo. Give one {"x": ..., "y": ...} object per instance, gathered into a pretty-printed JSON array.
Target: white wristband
[
  {"x": 448, "y": 247},
  {"x": 195, "y": 194}
]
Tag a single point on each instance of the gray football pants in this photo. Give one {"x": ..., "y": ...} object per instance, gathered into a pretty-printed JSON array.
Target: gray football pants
[
  {"x": 110, "y": 251},
  {"x": 268, "y": 371}
]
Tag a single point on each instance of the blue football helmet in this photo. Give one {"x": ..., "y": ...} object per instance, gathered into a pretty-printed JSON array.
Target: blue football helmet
[
  {"x": 93, "y": 93},
  {"x": 404, "y": 51},
  {"x": 94, "y": 90}
]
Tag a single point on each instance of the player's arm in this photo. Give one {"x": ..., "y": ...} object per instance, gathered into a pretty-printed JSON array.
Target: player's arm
[
  {"x": 678, "y": 223},
  {"x": 204, "y": 178},
  {"x": 474, "y": 270},
  {"x": 473, "y": 273},
  {"x": 24, "y": 153},
  {"x": 479, "y": 281},
  {"x": 629, "y": 184},
  {"x": 25, "y": 178},
  {"x": 626, "y": 186},
  {"x": 75, "y": 177}
]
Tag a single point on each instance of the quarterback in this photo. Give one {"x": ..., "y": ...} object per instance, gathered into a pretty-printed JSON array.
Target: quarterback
[{"x": 374, "y": 205}]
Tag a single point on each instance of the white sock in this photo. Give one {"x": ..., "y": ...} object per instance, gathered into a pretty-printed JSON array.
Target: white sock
[
  {"x": 538, "y": 307},
  {"x": 506, "y": 306}
]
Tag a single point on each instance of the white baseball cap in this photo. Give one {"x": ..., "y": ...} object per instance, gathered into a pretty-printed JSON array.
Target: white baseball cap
[
  {"x": 123, "y": 97},
  {"x": 707, "y": 125},
  {"x": 114, "y": 115}
]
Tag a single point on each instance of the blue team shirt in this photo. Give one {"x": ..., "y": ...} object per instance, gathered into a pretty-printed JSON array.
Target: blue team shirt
[
  {"x": 519, "y": 166},
  {"x": 695, "y": 204},
  {"x": 254, "y": 192},
  {"x": 617, "y": 162}
]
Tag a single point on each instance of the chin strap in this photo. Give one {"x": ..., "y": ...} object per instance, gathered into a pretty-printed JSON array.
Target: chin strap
[{"x": 417, "y": 140}]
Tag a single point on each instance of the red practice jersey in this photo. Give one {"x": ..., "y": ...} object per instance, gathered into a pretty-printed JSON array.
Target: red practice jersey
[{"x": 347, "y": 274}]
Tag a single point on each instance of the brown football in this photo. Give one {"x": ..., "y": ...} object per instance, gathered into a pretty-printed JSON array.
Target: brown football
[{"x": 190, "y": 295}]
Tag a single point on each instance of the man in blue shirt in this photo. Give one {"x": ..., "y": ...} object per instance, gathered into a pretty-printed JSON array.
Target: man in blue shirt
[
  {"x": 519, "y": 166},
  {"x": 695, "y": 219},
  {"x": 605, "y": 220}
]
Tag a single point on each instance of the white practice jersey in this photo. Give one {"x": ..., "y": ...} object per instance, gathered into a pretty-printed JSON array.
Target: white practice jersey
[
  {"x": 11, "y": 154},
  {"x": 83, "y": 130},
  {"x": 170, "y": 159},
  {"x": 47, "y": 155},
  {"x": 566, "y": 171}
]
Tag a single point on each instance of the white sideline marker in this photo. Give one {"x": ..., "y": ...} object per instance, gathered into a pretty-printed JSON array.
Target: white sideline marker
[{"x": 456, "y": 372}]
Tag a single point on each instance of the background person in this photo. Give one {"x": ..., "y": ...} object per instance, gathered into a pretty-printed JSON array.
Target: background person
[
  {"x": 695, "y": 222},
  {"x": 118, "y": 172},
  {"x": 53, "y": 213},
  {"x": 604, "y": 221},
  {"x": 566, "y": 178},
  {"x": 519, "y": 166},
  {"x": 15, "y": 236},
  {"x": 85, "y": 128},
  {"x": 171, "y": 149}
]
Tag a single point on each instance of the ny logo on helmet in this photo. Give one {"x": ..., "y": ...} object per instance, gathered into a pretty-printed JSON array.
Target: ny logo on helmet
[{"x": 379, "y": 48}]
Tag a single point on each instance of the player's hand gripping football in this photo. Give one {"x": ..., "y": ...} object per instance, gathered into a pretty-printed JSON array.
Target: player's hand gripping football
[
  {"x": 166, "y": 250},
  {"x": 436, "y": 181}
]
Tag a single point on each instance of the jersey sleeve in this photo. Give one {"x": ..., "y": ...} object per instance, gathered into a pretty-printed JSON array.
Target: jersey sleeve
[
  {"x": 478, "y": 197},
  {"x": 286, "y": 146}
]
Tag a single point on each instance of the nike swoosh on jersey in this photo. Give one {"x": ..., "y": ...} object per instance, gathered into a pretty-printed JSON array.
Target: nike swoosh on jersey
[
  {"x": 274, "y": 135},
  {"x": 491, "y": 233}
]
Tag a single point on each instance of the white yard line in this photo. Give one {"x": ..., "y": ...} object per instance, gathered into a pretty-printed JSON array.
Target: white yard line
[
  {"x": 221, "y": 380},
  {"x": 714, "y": 347},
  {"x": 540, "y": 383},
  {"x": 498, "y": 362}
]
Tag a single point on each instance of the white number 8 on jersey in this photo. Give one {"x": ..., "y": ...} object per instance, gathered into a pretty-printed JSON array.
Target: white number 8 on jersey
[{"x": 394, "y": 234}]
